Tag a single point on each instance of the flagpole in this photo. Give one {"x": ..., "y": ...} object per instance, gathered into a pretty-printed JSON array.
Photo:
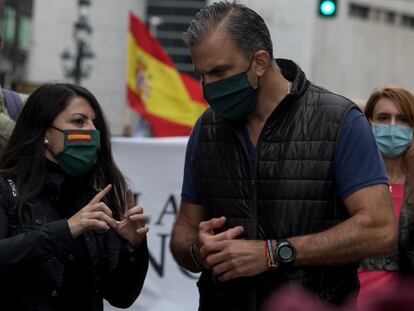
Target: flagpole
[{"x": 154, "y": 22}]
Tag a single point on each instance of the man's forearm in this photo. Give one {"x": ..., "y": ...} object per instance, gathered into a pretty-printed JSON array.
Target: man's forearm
[
  {"x": 181, "y": 242},
  {"x": 362, "y": 235},
  {"x": 340, "y": 245}
]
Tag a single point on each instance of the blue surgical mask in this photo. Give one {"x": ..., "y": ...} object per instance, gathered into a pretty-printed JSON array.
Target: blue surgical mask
[{"x": 392, "y": 140}]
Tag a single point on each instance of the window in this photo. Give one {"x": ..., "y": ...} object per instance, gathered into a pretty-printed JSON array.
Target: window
[
  {"x": 175, "y": 17},
  {"x": 390, "y": 17},
  {"x": 359, "y": 11},
  {"x": 407, "y": 21},
  {"x": 376, "y": 15},
  {"x": 24, "y": 33},
  {"x": 9, "y": 24},
  {"x": 383, "y": 15}
]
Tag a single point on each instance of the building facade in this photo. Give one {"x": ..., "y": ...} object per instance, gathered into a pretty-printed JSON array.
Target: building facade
[
  {"x": 167, "y": 20},
  {"x": 368, "y": 43},
  {"x": 15, "y": 30}
]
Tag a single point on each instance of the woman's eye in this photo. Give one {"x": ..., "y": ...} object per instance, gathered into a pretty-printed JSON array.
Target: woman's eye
[
  {"x": 402, "y": 119},
  {"x": 78, "y": 121}
]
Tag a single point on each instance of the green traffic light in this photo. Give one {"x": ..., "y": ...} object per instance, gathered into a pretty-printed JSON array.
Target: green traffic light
[{"x": 327, "y": 8}]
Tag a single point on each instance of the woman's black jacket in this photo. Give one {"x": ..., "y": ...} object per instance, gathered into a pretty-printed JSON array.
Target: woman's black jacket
[{"x": 35, "y": 255}]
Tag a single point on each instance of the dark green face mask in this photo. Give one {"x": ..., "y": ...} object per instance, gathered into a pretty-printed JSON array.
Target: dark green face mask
[
  {"x": 232, "y": 98},
  {"x": 80, "y": 151}
]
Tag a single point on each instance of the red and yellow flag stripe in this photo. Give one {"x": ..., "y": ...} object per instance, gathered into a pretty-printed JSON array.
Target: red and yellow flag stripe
[{"x": 79, "y": 136}]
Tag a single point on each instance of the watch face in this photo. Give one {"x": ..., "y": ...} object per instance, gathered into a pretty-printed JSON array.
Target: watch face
[{"x": 285, "y": 252}]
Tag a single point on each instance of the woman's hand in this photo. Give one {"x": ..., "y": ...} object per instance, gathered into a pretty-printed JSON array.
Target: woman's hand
[
  {"x": 133, "y": 228},
  {"x": 94, "y": 216}
]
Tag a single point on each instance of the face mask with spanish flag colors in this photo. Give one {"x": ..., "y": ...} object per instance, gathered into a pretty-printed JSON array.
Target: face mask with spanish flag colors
[{"x": 80, "y": 151}]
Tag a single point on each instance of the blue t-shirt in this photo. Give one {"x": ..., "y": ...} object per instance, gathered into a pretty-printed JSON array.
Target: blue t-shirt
[{"x": 358, "y": 162}]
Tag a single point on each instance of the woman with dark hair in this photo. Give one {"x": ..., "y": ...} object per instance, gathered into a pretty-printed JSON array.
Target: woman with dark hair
[
  {"x": 390, "y": 110},
  {"x": 64, "y": 244}
]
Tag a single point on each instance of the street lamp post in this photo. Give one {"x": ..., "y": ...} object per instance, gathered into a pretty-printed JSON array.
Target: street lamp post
[
  {"x": 154, "y": 22},
  {"x": 76, "y": 64}
]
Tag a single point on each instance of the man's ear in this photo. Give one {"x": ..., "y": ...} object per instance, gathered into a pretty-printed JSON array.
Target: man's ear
[{"x": 261, "y": 62}]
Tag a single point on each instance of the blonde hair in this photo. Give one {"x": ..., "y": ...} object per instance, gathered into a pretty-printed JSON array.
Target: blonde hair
[{"x": 401, "y": 97}]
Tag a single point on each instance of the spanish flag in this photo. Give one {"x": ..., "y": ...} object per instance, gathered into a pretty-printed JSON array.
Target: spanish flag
[
  {"x": 76, "y": 136},
  {"x": 171, "y": 102}
]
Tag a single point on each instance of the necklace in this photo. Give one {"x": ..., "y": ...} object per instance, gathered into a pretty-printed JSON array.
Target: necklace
[{"x": 288, "y": 87}]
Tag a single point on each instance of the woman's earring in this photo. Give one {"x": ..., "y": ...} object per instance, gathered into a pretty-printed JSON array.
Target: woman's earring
[{"x": 46, "y": 141}]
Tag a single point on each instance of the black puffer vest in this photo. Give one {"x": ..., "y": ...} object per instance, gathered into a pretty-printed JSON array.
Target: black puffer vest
[{"x": 289, "y": 190}]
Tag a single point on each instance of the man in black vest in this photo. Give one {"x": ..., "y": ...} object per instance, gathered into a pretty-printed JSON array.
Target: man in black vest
[{"x": 283, "y": 181}]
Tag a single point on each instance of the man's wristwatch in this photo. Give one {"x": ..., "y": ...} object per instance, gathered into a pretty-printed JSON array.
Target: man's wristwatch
[{"x": 284, "y": 253}]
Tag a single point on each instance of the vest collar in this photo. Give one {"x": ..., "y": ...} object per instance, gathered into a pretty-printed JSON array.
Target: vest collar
[{"x": 292, "y": 72}]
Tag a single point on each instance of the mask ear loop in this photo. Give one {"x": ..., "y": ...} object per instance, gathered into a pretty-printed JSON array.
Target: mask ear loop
[
  {"x": 258, "y": 83},
  {"x": 56, "y": 128},
  {"x": 251, "y": 62},
  {"x": 250, "y": 65}
]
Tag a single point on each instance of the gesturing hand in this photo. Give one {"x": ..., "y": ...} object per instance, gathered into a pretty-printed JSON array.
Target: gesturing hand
[
  {"x": 207, "y": 238},
  {"x": 226, "y": 256},
  {"x": 94, "y": 216},
  {"x": 133, "y": 228},
  {"x": 206, "y": 234}
]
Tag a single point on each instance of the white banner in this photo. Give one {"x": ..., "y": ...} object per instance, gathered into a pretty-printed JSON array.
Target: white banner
[{"x": 154, "y": 170}]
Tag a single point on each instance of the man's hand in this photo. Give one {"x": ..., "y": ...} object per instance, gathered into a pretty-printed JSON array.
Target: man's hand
[{"x": 227, "y": 257}]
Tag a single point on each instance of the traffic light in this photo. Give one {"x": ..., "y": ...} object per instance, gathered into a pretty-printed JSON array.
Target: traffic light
[{"x": 327, "y": 8}]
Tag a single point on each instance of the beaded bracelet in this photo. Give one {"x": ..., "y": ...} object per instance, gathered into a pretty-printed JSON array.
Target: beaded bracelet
[
  {"x": 195, "y": 260},
  {"x": 271, "y": 262}
]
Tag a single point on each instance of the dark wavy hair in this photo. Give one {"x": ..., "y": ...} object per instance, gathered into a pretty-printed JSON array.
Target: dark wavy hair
[{"x": 24, "y": 159}]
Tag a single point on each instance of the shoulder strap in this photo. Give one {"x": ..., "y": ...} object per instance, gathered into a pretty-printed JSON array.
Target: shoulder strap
[{"x": 14, "y": 103}]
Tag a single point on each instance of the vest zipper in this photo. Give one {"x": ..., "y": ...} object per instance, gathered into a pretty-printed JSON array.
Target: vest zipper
[
  {"x": 254, "y": 171},
  {"x": 255, "y": 168},
  {"x": 253, "y": 181}
]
